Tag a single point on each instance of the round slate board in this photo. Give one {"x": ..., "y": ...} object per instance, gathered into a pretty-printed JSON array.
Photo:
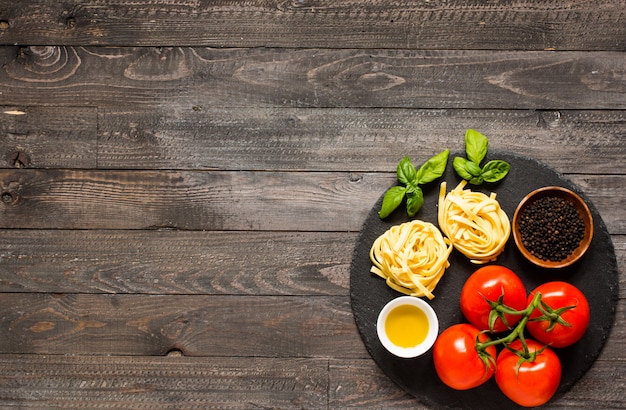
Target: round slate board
[{"x": 595, "y": 274}]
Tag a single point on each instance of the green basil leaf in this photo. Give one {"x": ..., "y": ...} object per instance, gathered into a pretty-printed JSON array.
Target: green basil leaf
[
  {"x": 473, "y": 168},
  {"x": 393, "y": 197},
  {"x": 476, "y": 145},
  {"x": 414, "y": 202},
  {"x": 468, "y": 170},
  {"x": 459, "y": 166},
  {"x": 406, "y": 171},
  {"x": 495, "y": 170},
  {"x": 433, "y": 168},
  {"x": 411, "y": 188}
]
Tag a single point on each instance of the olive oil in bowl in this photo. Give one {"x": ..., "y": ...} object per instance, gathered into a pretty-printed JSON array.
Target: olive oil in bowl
[{"x": 407, "y": 326}]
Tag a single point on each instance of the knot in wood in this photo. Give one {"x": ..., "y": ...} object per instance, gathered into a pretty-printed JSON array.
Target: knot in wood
[
  {"x": 19, "y": 159},
  {"x": 355, "y": 177},
  {"x": 175, "y": 352},
  {"x": 70, "y": 23},
  {"x": 549, "y": 119},
  {"x": 7, "y": 197}
]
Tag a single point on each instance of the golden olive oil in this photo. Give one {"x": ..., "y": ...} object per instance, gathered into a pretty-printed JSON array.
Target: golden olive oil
[{"x": 406, "y": 326}]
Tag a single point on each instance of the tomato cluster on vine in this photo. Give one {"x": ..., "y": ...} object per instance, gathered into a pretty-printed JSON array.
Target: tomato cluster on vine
[{"x": 501, "y": 314}]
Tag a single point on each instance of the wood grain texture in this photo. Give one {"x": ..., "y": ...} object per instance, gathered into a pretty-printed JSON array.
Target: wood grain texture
[
  {"x": 162, "y": 382},
  {"x": 197, "y": 325},
  {"x": 182, "y": 182},
  {"x": 517, "y": 24},
  {"x": 48, "y": 137},
  {"x": 355, "y": 140},
  {"x": 252, "y": 322},
  {"x": 176, "y": 262},
  {"x": 156, "y": 77},
  {"x": 328, "y": 139},
  {"x": 218, "y": 200},
  {"x": 187, "y": 262},
  {"x": 224, "y": 382},
  {"x": 77, "y": 199}
]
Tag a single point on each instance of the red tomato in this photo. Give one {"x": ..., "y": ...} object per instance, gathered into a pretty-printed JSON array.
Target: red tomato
[
  {"x": 456, "y": 359},
  {"x": 535, "y": 382},
  {"x": 559, "y": 295},
  {"x": 491, "y": 282}
]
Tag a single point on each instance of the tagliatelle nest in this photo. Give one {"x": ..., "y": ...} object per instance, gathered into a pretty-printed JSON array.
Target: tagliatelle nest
[
  {"x": 474, "y": 223},
  {"x": 411, "y": 257}
]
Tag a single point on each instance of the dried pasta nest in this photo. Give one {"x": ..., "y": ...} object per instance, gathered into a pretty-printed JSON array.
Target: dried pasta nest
[
  {"x": 411, "y": 257},
  {"x": 474, "y": 223}
]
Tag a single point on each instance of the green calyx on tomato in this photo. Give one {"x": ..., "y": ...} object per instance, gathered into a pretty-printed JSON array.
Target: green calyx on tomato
[
  {"x": 492, "y": 297},
  {"x": 524, "y": 353},
  {"x": 518, "y": 331},
  {"x": 527, "y": 371},
  {"x": 553, "y": 317},
  {"x": 563, "y": 315},
  {"x": 528, "y": 382},
  {"x": 544, "y": 316},
  {"x": 500, "y": 311}
]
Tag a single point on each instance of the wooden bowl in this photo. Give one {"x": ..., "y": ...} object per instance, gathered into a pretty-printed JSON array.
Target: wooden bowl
[{"x": 581, "y": 208}]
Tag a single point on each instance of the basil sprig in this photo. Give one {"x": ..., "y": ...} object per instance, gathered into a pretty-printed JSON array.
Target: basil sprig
[
  {"x": 476, "y": 145},
  {"x": 410, "y": 180}
]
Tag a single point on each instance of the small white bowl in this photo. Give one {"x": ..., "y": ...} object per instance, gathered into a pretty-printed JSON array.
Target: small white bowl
[{"x": 431, "y": 334}]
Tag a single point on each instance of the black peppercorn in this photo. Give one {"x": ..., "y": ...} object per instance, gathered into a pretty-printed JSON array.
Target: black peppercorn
[{"x": 551, "y": 228}]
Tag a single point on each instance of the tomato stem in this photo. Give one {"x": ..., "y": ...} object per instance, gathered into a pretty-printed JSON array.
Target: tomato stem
[
  {"x": 517, "y": 332},
  {"x": 553, "y": 316}
]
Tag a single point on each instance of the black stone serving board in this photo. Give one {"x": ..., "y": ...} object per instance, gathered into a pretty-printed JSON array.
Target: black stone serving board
[{"x": 596, "y": 275}]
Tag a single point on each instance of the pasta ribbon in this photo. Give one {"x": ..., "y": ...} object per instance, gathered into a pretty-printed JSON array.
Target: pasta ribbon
[
  {"x": 411, "y": 257},
  {"x": 474, "y": 223}
]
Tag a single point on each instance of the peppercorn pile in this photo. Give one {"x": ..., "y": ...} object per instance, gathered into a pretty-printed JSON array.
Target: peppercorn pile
[{"x": 551, "y": 228}]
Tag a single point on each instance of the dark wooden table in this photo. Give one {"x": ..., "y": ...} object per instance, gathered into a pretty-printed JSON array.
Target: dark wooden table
[{"x": 183, "y": 182}]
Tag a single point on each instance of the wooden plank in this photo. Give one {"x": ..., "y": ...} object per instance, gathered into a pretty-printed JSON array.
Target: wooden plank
[
  {"x": 143, "y": 380},
  {"x": 186, "y": 262},
  {"x": 78, "y": 381},
  {"x": 162, "y": 382},
  {"x": 84, "y": 199},
  {"x": 197, "y": 325},
  {"x": 47, "y": 137},
  {"x": 266, "y": 77},
  {"x": 601, "y": 387},
  {"x": 361, "y": 384},
  {"x": 593, "y": 25},
  {"x": 222, "y": 382},
  {"x": 221, "y": 200},
  {"x": 602, "y": 195},
  {"x": 355, "y": 140},
  {"x": 176, "y": 262}
]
